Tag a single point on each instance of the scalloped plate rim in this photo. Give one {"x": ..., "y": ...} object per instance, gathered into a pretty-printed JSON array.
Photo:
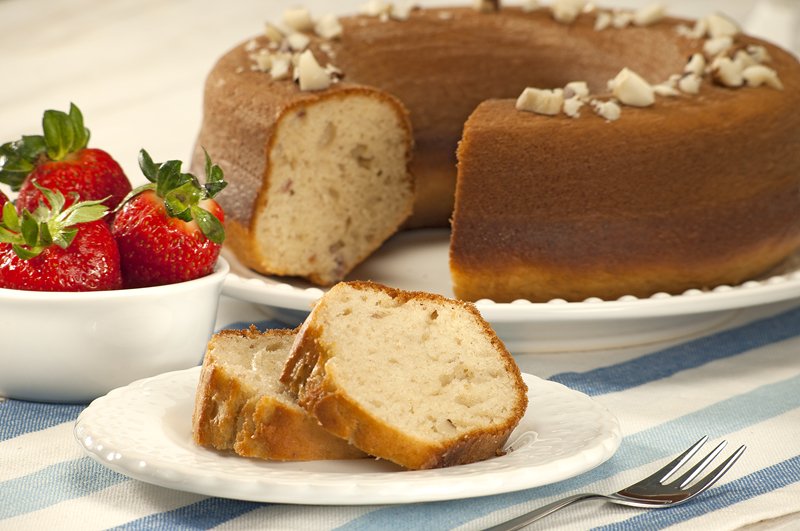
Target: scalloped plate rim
[
  {"x": 279, "y": 293},
  {"x": 273, "y": 485}
]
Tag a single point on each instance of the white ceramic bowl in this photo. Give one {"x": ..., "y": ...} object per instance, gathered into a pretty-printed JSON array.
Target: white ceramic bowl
[{"x": 74, "y": 347}]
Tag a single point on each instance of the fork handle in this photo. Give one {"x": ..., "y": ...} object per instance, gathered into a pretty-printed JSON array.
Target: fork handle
[{"x": 521, "y": 521}]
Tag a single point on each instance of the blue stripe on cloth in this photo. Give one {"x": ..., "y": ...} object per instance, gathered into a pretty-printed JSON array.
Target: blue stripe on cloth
[
  {"x": 204, "y": 514},
  {"x": 760, "y": 482},
  {"x": 636, "y": 450},
  {"x": 18, "y": 417},
  {"x": 56, "y": 483},
  {"x": 670, "y": 361}
]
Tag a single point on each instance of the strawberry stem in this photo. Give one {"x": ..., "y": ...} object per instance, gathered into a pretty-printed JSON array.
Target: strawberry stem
[
  {"x": 32, "y": 232},
  {"x": 182, "y": 192},
  {"x": 63, "y": 134}
]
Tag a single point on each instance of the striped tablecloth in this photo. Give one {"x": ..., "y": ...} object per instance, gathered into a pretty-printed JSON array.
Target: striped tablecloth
[{"x": 740, "y": 383}]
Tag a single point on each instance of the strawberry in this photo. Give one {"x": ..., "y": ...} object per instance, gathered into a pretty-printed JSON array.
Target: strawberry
[
  {"x": 170, "y": 229},
  {"x": 60, "y": 160},
  {"x": 3, "y": 199},
  {"x": 58, "y": 248}
]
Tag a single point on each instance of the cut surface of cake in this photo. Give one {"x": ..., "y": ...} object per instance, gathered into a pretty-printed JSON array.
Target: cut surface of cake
[
  {"x": 241, "y": 406},
  {"x": 411, "y": 377}
]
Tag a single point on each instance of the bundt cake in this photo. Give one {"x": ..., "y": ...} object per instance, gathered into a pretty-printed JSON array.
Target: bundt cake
[
  {"x": 241, "y": 406},
  {"x": 651, "y": 160},
  {"x": 411, "y": 377}
]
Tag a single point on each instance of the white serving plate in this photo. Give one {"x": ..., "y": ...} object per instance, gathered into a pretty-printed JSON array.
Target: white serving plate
[
  {"x": 418, "y": 260},
  {"x": 144, "y": 431}
]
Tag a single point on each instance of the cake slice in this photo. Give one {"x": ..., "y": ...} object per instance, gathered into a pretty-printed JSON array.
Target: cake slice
[
  {"x": 415, "y": 378},
  {"x": 240, "y": 405}
]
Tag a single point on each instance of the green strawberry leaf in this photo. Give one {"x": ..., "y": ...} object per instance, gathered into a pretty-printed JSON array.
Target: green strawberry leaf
[
  {"x": 215, "y": 180},
  {"x": 209, "y": 224},
  {"x": 81, "y": 133},
  {"x": 32, "y": 232},
  {"x": 26, "y": 253},
  {"x": 148, "y": 167},
  {"x": 66, "y": 237},
  {"x": 29, "y": 228},
  {"x": 17, "y": 159},
  {"x": 59, "y": 134},
  {"x": 169, "y": 177},
  {"x": 64, "y": 133},
  {"x": 10, "y": 218},
  {"x": 180, "y": 200},
  {"x": 45, "y": 238}
]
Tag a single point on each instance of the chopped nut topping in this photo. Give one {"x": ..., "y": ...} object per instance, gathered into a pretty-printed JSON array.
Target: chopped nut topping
[
  {"x": 281, "y": 66},
  {"x": 665, "y": 90},
  {"x": 576, "y": 88},
  {"x": 726, "y": 72},
  {"x": 690, "y": 83},
  {"x": 298, "y": 42},
  {"x": 572, "y": 106},
  {"x": 273, "y": 33},
  {"x": 298, "y": 19},
  {"x": 602, "y": 21},
  {"x": 757, "y": 75},
  {"x": 403, "y": 10},
  {"x": 566, "y": 11},
  {"x": 714, "y": 47},
  {"x": 621, "y": 19},
  {"x": 486, "y": 6},
  {"x": 541, "y": 101},
  {"x": 263, "y": 60},
  {"x": 649, "y": 15},
  {"x": 744, "y": 59},
  {"x": 530, "y": 5},
  {"x": 376, "y": 8},
  {"x": 328, "y": 27},
  {"x": 721, "y": 26},
  {"x": 629, "y": 88},
  {"x": 607, "y": 109},
  {"x": 759, "y": 53},
  {"x": 310, "y": 75},
  {"x": 696, "y": 65}
]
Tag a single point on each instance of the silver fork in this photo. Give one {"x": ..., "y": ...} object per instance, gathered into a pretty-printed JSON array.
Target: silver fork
[{"x": 652, "y": 492}]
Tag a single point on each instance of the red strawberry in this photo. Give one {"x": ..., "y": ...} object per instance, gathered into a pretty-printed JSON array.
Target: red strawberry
[
  {"x": 58, "y": 248},
  {"x": 3, "y": 199},
  {"x": 170, "y": 230},
  {"x": 59, "y": 160}
]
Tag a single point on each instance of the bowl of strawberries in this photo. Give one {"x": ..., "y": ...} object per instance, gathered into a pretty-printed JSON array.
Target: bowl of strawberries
[{"x": 100, "y": 283}]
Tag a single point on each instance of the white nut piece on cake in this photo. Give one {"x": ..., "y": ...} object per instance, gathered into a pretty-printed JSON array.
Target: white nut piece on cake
[
  {"x": 298, "y": 19},
  {"x": 696, "y": 65},
  {"x": 311, "y": 75},
  {"x": 631, "y": 89},
  {"x": 648, "y": 15},
  {"x": 690, "y": 83},
  {"x": 719, "y": 25},
  {"x": 328, "y": 27},
  {"x": 576, "y": 88},
  {"x": 566, "y": 11},
  {"x": 607, "y": 109},
  {"x": 726, "y": 72},
  {"x": 757, "y": 75},
  {"x": 541, "y": 101}
]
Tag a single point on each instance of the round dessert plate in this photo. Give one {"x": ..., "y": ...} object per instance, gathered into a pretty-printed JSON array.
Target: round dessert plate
[
  {"x": 418, "y": 260},
  {"x": 144, "y": 431}
]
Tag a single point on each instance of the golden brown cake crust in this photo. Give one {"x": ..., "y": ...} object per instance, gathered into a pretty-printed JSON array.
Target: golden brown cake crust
[
  {"x": 308, "y": 374},
  {"x": 229, "y": 416},
  {"x": 693, "y": 192}
]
